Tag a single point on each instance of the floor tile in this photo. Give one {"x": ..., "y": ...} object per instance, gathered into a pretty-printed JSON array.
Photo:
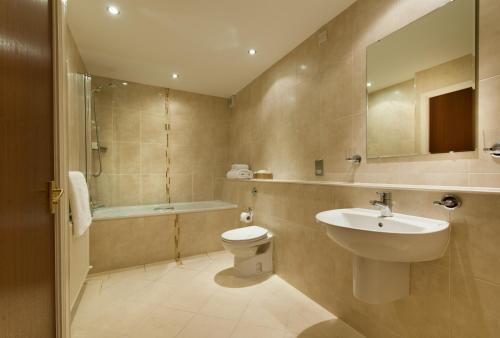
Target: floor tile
[
  {"x": 208, "y": 327},
  {"x": 252, "y": 331},
  {"x": 225, "y": 305},
  {"x": 201, "y": 299},
  {"x": 161, "y": 323},
  {"x": 178, "y": 276},
  {"x": 270, "y": 314},
  {"x": 187, "y": 299}
]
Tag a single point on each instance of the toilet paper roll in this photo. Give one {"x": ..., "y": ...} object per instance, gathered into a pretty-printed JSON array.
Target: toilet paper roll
[{"x": 246, "y": 217}]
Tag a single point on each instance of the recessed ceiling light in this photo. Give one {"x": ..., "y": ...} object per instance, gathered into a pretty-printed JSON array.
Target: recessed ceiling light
[
  {"x": 252, "y": 51},
  {"x": 369, "y": 84},
  {"x": 113, "y": 10},
  {"x": 175, "y": 76},
  {"x": 125, "y": 83}
]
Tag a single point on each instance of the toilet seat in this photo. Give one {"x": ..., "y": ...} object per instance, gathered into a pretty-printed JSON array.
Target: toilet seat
[{"x": 248, "y": 234}]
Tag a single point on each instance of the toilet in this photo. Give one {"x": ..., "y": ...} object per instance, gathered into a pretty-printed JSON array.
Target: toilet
[{"x": 252, "y": 247}]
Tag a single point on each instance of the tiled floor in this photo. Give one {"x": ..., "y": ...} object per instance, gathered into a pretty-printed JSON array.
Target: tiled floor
[{"x": 200, "y": 299}]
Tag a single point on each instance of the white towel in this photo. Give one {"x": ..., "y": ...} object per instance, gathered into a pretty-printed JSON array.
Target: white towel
[
  {"x": 79, "y": 202},
  {"x": 241, "y": 174}
]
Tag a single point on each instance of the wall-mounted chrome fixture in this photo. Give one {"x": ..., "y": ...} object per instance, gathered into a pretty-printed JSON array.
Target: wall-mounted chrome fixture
[
  {"x": 254, "y": 191},
  {"x": 494, "y": 150},
  {"x": 354, "y": 159},
  {"x": 449, "y": 202},
  {"x": 384, "y": 204}
]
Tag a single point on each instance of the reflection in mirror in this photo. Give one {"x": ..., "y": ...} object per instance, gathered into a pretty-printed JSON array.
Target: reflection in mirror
[{"x": 421, "y": 85}]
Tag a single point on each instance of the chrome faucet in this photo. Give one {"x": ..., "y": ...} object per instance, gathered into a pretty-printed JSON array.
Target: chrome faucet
[{"x": 384, "y": 204}]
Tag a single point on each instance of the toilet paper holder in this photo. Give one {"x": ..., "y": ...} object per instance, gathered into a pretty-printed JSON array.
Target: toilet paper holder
[{"x": 246, "y": 216}]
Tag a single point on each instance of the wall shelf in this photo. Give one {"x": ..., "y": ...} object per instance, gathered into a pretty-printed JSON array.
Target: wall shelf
[{"x": 408, "y": 187}]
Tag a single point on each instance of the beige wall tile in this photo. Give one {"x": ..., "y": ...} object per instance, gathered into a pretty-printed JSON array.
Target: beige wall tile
[
  {"x": 154, "y": 189},
  {"x": 116, "y": 244},
  {"x": 489, "y": 39},
  {"x": 104, "y": 189},
  {"x": 203, "y": 187},
  {"x": 121, "y": 243},
  {"x": 200, "y": 232},
  {"x": 131, "y": 121},
  {"x": 281, "y": 116},
  {"x": 153, "y": 127},
  {"x": 475, "y": 233},
  {"x": 489, "y": 103},
  {"x": 181, "y": 188},
  {"x": 153, "y": 158},
  {"x": 411, "y": 10},
  {"x": 128, "y": 190},
  {"x": 475, "y": 307},
  {"x": 199, "y": 145},
  {"x": 159, "y": 238},
  {"x": 447, "y": 295},
  {"x": 126, "y": 121},
  {"x": 127, "y": 160}
]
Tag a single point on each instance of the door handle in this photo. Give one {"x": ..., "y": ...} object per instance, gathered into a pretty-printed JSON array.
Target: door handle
[{"x": 55, "y": 195}]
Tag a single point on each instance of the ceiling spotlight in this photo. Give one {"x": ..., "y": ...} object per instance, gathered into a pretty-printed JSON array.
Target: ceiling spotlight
[
  {"x": 252, "y": 51},
  {"x": 113, "y": 10},
  {"x": 369, "y": 84},
  {"x": 125, "y": 83},
  {"x": 175, "y": 76}
]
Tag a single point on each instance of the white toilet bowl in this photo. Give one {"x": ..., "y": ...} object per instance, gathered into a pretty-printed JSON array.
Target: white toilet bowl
[{"x": 252, "y": 248}]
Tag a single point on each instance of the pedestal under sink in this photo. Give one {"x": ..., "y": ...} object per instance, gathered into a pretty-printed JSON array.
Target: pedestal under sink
[{"x": 384, "y": 247}]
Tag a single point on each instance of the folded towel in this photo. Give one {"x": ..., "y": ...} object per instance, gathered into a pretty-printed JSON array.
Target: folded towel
[
  {"x": 241, "y": 174},
  {"x": 239, "y": 166},
  {"x": 79, "y": 202}
]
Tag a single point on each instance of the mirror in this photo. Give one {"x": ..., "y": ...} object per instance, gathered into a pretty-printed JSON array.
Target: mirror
[{"x": 421, "y": 85}]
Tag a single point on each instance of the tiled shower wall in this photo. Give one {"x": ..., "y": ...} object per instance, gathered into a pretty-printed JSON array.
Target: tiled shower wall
[
  {"x": 312, "y": 105},
  {"x": 455, "y": 296},
  {"x": 199, "y": 144},
  {"x": 132, "y": 119}
]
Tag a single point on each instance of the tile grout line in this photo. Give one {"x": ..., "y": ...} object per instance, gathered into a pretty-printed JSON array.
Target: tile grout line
[{"x": 240, "y": 318}]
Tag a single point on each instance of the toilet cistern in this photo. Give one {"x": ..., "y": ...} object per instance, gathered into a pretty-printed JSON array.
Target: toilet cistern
[{"x": 384, "y": 204}]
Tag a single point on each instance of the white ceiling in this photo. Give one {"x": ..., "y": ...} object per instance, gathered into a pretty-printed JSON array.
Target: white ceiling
[
  {"x": 206, "y": 41},
  {"x": 444, "y": 35}
]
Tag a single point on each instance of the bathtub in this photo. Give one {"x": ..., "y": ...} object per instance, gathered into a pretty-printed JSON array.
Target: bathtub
[
  {"x": 159, "y": 209},
  {"x": 123, "y": 237}
]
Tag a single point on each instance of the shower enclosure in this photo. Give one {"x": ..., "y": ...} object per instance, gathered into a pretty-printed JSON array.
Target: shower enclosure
[{"x": 128, "y": 147}]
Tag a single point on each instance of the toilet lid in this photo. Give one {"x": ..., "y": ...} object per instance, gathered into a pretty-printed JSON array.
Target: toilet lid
[{"x": 251, "y": 233}]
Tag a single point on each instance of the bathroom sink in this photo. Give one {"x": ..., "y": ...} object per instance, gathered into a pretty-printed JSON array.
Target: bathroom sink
[
  {"x": 400, "y": 238},
  {"x": 384, "y": 247}
]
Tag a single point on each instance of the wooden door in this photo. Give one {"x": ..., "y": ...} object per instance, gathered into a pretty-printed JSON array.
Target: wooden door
[
  {"x": 452, "y": 122},
  {"x": 27, "y": 266}
]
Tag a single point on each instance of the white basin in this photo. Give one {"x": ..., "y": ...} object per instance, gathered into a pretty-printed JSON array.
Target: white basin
[
  {"x": 400, "y": 238},
  {"x": 384, "y": 247}
]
